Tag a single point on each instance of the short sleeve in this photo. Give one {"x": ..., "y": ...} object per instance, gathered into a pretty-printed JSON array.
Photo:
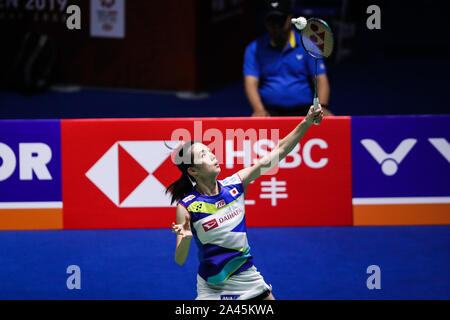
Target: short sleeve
[
  {"x": 233, "y": 181},
  {"x": 187, "y": 200},
  {"x": 251, "y": 67}
]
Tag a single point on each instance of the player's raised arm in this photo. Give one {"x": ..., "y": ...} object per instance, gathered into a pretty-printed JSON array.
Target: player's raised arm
[{"x": 282, "y": 149}]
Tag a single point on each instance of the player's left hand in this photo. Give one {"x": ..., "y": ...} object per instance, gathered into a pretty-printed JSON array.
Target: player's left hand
[
  {"x": 314, "y": 115},
  {"x": 183, "y": 230}
]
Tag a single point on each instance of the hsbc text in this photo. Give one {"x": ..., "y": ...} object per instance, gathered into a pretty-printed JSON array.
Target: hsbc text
[{"x": 249, "y": 146}]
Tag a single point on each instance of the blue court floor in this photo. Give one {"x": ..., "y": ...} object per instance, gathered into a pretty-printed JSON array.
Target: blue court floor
[{"x": 300, "y": 263}]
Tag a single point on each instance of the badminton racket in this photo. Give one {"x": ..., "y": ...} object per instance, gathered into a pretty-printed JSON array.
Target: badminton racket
[{"x": 318, "y": 42}]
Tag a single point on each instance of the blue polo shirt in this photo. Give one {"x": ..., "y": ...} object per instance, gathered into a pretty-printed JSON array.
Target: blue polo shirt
[{"x": 283, "y": 75}]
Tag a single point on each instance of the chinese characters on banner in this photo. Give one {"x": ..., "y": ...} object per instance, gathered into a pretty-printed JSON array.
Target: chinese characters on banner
[{"x": 272, "y": 190}]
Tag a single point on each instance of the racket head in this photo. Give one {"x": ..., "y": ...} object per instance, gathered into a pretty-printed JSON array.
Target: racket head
[{"x": 317, "y": 38}]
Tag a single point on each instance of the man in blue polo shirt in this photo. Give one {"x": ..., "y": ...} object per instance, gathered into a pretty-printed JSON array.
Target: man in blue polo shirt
[{"x": 278, "y": 71}]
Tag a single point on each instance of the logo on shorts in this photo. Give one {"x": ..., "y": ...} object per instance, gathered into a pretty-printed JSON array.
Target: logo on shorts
[
  {"x": 228, "y": 297},
  {"x": 220, "y": 204},
  {"x": 210, "y": 225}
]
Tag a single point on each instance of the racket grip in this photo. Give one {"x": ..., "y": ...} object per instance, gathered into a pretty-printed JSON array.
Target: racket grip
[{"x": 316, "y": 105}]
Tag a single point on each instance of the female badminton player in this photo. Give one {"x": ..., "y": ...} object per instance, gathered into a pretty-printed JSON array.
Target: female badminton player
[{"x": 213, "y": 212}]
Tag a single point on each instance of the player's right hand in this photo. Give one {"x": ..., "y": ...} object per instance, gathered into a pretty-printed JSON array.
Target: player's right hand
[{"x": 314, "y": 116}]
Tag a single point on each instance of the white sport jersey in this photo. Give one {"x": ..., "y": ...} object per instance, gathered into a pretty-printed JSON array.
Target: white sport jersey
[{"x": 218, "y": 227}]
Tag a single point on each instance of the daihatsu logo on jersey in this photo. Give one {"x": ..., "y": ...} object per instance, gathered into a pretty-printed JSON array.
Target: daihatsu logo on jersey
[
  {"x": 207, "y": 226},
  {"x": 231, "y": 215},
  {"x": 126, "y": 173}
]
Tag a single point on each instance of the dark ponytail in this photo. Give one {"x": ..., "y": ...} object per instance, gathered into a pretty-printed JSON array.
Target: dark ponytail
[{"x": 184, "y": 159}]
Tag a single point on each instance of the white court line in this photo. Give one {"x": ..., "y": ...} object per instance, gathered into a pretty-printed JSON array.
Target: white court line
[
  {"x": 31, "y": 205},
  {"x": 406, "y": 200}
]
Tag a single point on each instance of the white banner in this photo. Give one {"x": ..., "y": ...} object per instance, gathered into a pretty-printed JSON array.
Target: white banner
[{"x": 108, "y": 18}]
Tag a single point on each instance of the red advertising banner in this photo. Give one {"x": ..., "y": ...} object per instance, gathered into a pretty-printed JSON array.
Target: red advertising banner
[{"x": 115, "y": 171}]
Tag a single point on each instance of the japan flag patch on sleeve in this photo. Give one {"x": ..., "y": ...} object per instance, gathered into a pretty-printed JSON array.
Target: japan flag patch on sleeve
[{"x": 234, "y": 192}]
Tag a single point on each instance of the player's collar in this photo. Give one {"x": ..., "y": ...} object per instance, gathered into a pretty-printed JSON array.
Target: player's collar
[{"x": 292, "y": 41}]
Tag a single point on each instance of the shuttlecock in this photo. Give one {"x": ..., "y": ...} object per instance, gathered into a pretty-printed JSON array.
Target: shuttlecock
[{"x": 299, "y": 23}]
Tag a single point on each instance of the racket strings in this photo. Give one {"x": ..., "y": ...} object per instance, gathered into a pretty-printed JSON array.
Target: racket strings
[{"x": 317, "y": 39}]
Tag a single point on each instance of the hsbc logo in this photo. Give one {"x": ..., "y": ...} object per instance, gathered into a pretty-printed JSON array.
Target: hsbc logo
[
  {"x": 127, "y": 173},
  {"x": 207, "y": 226}
]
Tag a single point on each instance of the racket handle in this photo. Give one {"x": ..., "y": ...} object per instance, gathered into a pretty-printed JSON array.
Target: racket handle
[{"x": 316, "y": 105}]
